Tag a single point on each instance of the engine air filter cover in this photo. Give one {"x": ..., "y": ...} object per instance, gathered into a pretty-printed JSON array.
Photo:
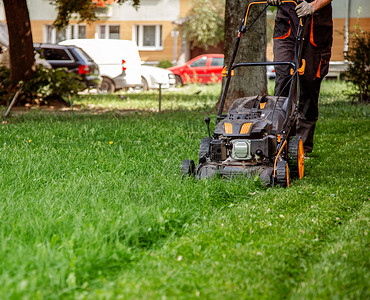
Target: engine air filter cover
[{"x": 241, "y": 149}]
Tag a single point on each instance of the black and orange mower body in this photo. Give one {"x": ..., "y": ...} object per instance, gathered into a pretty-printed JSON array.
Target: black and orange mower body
[{"x": 254, "y": 137}]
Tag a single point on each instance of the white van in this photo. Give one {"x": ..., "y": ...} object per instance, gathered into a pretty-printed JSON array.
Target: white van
[{"x": 118, "y": 60}]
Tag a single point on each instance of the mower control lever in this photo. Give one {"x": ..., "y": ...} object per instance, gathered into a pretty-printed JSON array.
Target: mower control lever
[{"x": 208, "y": 120}]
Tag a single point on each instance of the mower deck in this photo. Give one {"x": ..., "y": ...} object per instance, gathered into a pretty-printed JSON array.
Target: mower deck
[{"x": 211, "y": 170}]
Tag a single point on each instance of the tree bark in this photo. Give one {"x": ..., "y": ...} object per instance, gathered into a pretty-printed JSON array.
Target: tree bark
[
  {"x": 22, "y": 60},
  {"x": 248, "y": 81}
]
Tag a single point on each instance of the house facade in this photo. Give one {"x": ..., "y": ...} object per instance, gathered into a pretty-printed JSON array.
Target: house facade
[
  {"x": 156, "y": 26},
  {"x": 348, "y": 17}
]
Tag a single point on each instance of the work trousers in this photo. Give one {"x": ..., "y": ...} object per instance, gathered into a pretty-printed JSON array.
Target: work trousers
[{"x": 318, "y": 36}]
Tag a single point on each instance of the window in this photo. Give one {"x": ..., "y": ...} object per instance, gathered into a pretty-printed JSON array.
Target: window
[
  {"x": 81, "y": 31},
  {"x": 102, "y": 32},
  {"x": 82, "y": 54},
  {"x": 53, "y": 36},
  {"x": 56, "y": 54},
  {"x": 148, "y": 37},
  {"x": 217, "y": 62},
  {"x": 48, "y": 34},
  {"x": 60, "y": 35},
  {"x": 201, "y": 62},
  {"x": 108, "y": 32},
  {"x": 114, "y": 32}
]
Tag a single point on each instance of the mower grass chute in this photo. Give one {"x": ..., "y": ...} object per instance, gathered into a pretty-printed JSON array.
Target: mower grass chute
[{"x": 254, "y": 137}]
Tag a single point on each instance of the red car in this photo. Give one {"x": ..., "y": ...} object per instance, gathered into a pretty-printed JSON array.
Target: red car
[{"x": 205, "y": 68}]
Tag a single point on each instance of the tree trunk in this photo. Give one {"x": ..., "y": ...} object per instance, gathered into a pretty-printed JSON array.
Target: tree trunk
[
  {"x": 248, "y": 81},
  {"x": 22, "y": 61}
]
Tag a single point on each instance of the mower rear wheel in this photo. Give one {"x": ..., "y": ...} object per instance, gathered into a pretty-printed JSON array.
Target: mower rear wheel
[
  {"x": 296, "y": 156},
  {"x": 282, "y": 173},
  {"x": 204, "y": 147},
  {"x": 187, "y": 168}
]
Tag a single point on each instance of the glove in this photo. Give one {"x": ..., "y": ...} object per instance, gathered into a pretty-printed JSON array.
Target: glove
[
  {"x": 274, "y": 2},
  {"x": 304, "y": 9}
]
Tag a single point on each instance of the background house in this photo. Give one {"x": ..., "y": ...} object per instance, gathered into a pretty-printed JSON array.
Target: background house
[
  {"x": 348, "y": 16},
  {"x": 156, "y": 27},
  {"x": 153, "y": 26}
]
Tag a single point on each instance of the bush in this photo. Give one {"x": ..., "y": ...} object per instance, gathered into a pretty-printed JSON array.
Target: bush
[
  {"x": 165, "y": 64},
  {"x": 45, "y": 85},
  {"x": 53, "y": 84},
  {"x": 359, "y": 68},
  {"x": 4, "y": 83}
]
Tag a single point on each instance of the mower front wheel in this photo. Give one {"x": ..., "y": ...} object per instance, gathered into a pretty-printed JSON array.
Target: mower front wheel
[
  {"x": 282, "y": 173},
  {"x": 187, "y": 168},
  {"x": 204, "y": 147}
]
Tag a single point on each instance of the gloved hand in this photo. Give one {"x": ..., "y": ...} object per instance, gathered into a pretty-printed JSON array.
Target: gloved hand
[
  {"x": 274, "y": 2},
  {"x": 304, "y": 9}
]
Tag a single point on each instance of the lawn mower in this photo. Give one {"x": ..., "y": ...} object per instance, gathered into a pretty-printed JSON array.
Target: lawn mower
[{"x": 255, "y": 136}]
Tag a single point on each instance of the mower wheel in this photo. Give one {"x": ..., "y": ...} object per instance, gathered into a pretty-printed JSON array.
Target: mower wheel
[
  {"x": 204, "y": 147},
  {"x": 296, "y": 156},
  {"x": 187, "y": 168},
  {"x": 282, "y": 173}
]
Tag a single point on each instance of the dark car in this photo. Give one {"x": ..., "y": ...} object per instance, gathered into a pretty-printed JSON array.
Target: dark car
[{"x": 74, "y": 59}]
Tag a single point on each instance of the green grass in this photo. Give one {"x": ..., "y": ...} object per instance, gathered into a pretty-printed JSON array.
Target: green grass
[
  {"x": 193, "y": 97},
  {"x": 84, "y": 218}
]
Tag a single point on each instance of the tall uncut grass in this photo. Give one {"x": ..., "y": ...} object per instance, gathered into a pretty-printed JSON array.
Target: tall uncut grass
[{"x": 92, "y": 207}]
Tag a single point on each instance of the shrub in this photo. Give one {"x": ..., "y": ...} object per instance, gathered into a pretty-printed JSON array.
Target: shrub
[
  {"x": 165, "y": 64},
  {"x": 45, "y": 85},
  {"x": 4, "y": 75},
  {"x": 4, "y": 84},
  {"x": 53, "y": 84},
  {"x": 358, "y": 72}
]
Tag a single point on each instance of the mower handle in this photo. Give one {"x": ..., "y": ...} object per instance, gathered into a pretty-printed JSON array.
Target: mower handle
[
  {"x": 257, "y": 64},
  {"x": 263, "y": 2},
  {"x": 243, "y": 29}
]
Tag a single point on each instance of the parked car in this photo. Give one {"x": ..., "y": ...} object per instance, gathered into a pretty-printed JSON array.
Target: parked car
[
  {"x": 336, "y": 69},
  {"x": 151, "y": 77},
  {"x": 205, "y": 68},
  {"x": 118, "y": 60},
  {"x": 270, "y": 72},
  {"x": 72, "y": 58},
  {"x": 201, "y": 69}
]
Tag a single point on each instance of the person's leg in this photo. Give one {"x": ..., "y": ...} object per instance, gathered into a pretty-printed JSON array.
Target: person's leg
[
  {"x": 283, "y": 51},
  {"x": 308, "y": 111},
  {"x": 317, "y": 65},
  {"x": 286, "y": 22}
]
